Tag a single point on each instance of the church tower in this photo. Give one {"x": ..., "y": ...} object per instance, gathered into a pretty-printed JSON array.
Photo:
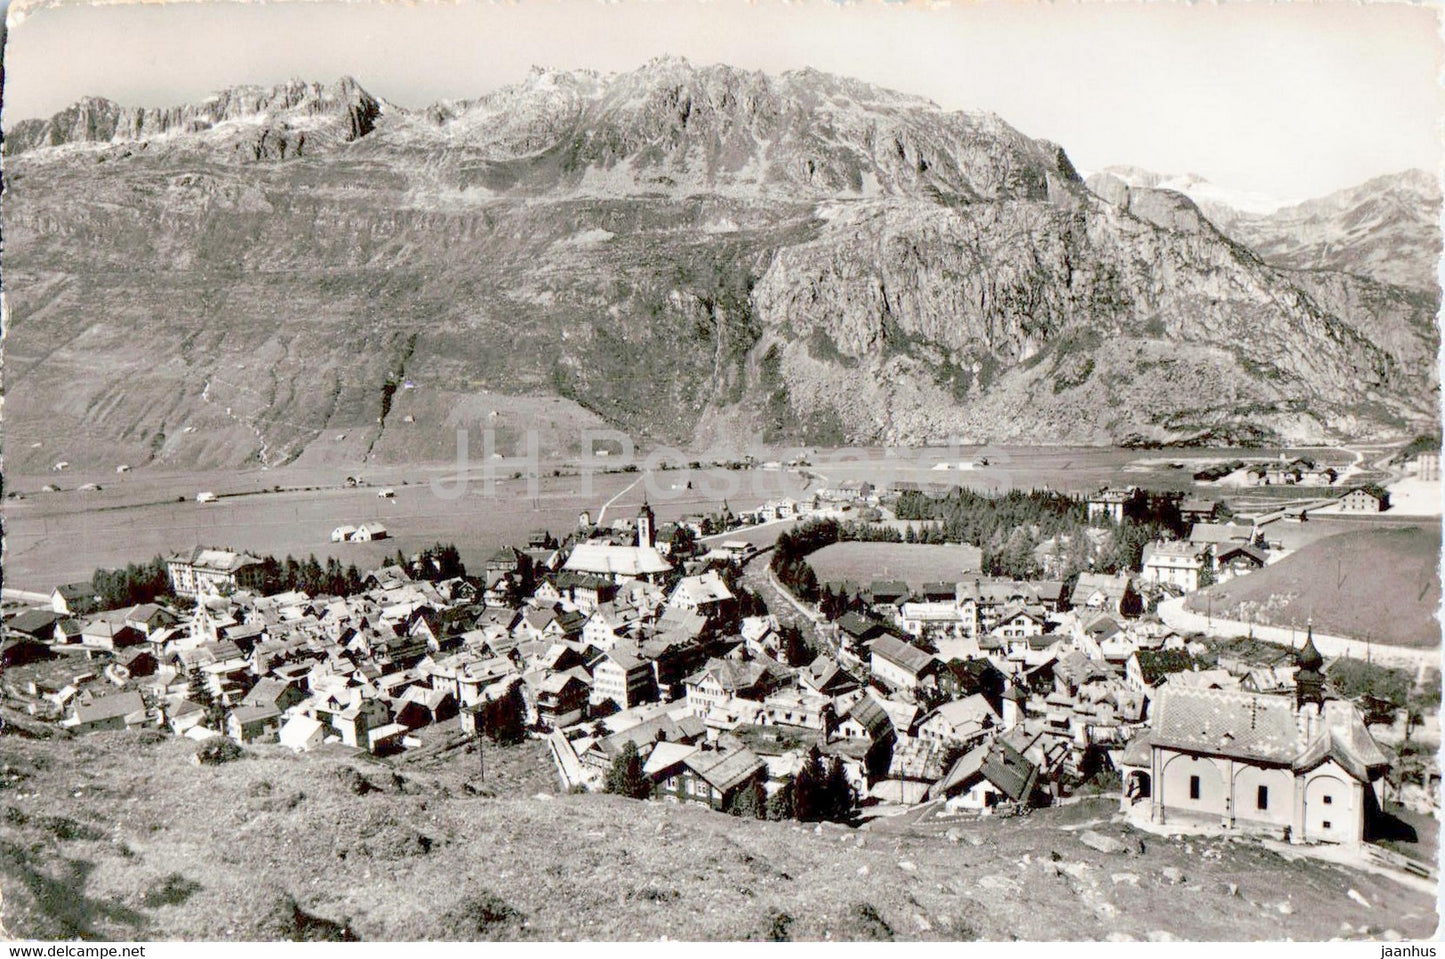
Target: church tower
[
  {"x": 646, "y": 526},
  {"x": 1309, "y": 684}
]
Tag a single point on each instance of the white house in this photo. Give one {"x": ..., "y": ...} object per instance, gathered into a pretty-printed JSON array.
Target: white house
[{"x": 367, "y": 532}]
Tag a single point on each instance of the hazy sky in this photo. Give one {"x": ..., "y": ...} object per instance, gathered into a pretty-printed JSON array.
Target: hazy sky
[{"x": 1286, "y": 99}]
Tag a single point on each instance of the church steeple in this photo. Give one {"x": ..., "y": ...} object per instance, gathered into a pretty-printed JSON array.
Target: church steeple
[
  {"x": 1309, "y": 677},
  {"x": 646, "y": 525}
]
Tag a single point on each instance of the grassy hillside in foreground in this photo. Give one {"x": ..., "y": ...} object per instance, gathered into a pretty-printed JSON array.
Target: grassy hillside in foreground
[
  {"x": 120, "y": 836},
  {"x": 1382, "y": 583}
]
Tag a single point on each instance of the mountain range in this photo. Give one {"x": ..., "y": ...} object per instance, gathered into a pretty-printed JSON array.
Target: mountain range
[{"x": 692, "y": 255}]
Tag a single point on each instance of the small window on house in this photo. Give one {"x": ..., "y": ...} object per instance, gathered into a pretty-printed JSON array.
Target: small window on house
[
  {"x": 1329, "y": 800},
  {"x": 1262, "y": 800},
  {"x": 1193, "y": 787},
  {"x": 1326, "y": 824}
]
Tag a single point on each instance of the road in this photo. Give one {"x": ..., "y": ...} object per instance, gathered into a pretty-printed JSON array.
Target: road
[{"x": 1175, "y": 616}]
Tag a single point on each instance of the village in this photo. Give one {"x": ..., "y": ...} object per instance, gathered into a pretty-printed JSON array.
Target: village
[{"x": 649, "y": 662}]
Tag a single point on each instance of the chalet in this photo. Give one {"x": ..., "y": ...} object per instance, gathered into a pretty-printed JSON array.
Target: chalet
[
  {"x": 1365, "y": 499},
  {"x": 961, "y": 722},
  {"x": 826, "y": 677},
  {"x": 934, "y": 619},
  {"x": 19, "y": 649},
  {"x": 277, "y": 693},
  {"x": 1302, "y": 767},
  {"x": 1235, "y": 559},
  {"x": 343, "y": 534},
  {"x": 888, "y": 595},
  {"x": 249, "y": 724},
  {"x": 562, "y": 700},
  {"x": 900, "y": 664},
  {"x": 859, "y": 630},
  {"x": 301, "y": 732},
  {"x": 205, "y": 571},
  {"x": 710, "y": 777},
  {"x": 867, "y": 719},
  {"x": 419, "y": 706},
  {"x": 367, "y": 532},
  {"x": 722, "y": 680},
  {"x": 1216, "y": 536},
  {"x": 1052, "y": 595},
  {"x": 1021, "y": 622},
  {"x": 986, "y": 776},
  {"x": 708, "y": 595},
  {"x": 958, "y": 678},
  {"x": 117, "y": 711},
  {"x": 1113, "y": 594},
  {"x": 35, "y": 623},
  {"x": 74, "y": 599},
  {"x": 1194, "y": 509}
]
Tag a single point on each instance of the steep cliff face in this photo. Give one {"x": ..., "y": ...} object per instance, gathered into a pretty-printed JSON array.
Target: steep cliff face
[
  {"x": 684, "y": 253},
  {"x": 1387, "y": 229}
]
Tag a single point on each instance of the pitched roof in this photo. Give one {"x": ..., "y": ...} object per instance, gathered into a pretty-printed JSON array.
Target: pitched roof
[
  {"x": 1155, "y": 664},
  {"x": 904, "y": 655},
  {"x": 724, "y": 770},
  {"x": 606, "y": 559},
  {"x": 1239, "y": 725},
  {"x": 114, "y": 706}
]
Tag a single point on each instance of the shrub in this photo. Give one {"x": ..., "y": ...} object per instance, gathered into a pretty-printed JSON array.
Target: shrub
[{"x": 217, "y": 750}]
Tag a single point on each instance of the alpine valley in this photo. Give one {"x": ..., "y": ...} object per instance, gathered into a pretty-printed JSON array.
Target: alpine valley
[{"x": 692, "y": 255}]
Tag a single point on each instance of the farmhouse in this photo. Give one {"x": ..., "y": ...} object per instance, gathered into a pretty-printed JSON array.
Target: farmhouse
[
  {"x": 116, "y": 711},
  {"x": 74, "y": 599},
  {"x": 1113, "y": 594},
  {"x": 367, "y": 532}
]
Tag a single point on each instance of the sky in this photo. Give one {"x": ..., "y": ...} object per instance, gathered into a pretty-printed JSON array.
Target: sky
[{"x": 1286, "y": 99}]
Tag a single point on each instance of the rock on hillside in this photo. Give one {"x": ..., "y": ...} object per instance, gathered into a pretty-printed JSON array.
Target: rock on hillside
[{"x": 686, "y": 253}]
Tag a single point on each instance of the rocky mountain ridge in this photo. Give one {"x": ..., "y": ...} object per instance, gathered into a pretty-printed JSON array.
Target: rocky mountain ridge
[{"x": 690, "y": 254}]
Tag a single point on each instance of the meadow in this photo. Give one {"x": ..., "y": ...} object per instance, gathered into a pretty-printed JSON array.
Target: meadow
[
  {"x": 1381, "y": 582},
  {"x": 914, "y": 563}
]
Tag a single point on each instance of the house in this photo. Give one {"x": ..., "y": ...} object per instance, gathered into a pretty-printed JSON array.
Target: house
[
  {"x": 986, "y": 776},
  {"x": 207, "y": 571},
  {"x": 1365, "y": 499},
  {"x": 826, "y": 677},
  {"x": 1146, "y": 669},
  {"x": 367, "y": 532},
  {"x": 959, "y": 678},
  {"x": 624, "y": 679},
  {"x": 249, "y": 724},
  {"x": 1302, "y": 767},
  {"x": 1110, "y": 504},
  {"x": 107, "y": 635},
  {"x": 1020, "y": 622},
  {"x": 722, "y": 680},
  {"x": 1196, "y": 509},
  {"x": 885, "y": 596},
  {"x": 20, "y": 649},
  {"x": 277, "y": 693},
  {"x": 935, "y": 618},
  {"x": 36, "y": 623},
  {"x": 867, "y": 719},
  {"x": 343, "y": 534},
  {"x": 1235, "y": 559},
  {"x": 962, "y": 722},
  {"x": 707, "y": 594},
  {"x": 1113, "y": 594},
  {"x": 1174, "y": 564},
  {"x": 74, "y": 599},
  {"x": 419, "y": 706},
  {"x": 1217, "y": 535},
  {"x": 116, "y": 711},
  {"x": 899, "y": 664},
  {"x": 301, "y": 732},
  {"x": 709, "y": 777},
  {"x": 858, "y": 629},
  {"x": 562, "y": 700}
]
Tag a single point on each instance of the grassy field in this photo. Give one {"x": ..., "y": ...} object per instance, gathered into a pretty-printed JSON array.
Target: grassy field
[
  {"x": 118, "y": 836},
  {"x": 914, "y": 563},
  {"x": 1383, "y": 583}
]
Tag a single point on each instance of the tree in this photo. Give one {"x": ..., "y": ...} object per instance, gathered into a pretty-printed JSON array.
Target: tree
[
  {"x": 809, "y": 800},
  {"x": 837, "y": 792},
  {"x": 780, "y": 803},
  {"x": 750, "y": 802},
  {"x": 625, "y": 777},
  {"x": 503, "y": 719},
  {"x": 200, "y": 694},
  {"x": 791, "y": 647}
]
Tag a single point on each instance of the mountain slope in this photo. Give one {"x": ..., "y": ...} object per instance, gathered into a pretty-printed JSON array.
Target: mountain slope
[
  {"x": 690, "y": 253},
  {"x": 1387, "y": 229}
]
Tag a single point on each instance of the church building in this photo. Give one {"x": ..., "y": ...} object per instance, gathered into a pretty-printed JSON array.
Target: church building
[
  {"x": 1302, "y": 767},
  {"x": 623, "y": 563}
]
